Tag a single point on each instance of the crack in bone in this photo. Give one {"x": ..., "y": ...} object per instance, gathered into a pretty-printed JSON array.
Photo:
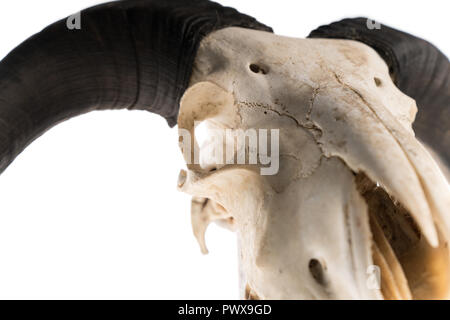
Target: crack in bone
[
  {"x": 310, "y": 127},
  {"x": 269, "y": 108},
  {"x": 273, "y": 213}
]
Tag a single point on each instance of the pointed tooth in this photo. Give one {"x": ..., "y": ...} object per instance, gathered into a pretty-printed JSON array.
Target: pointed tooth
[
  {"x": 359, "y": 225},
  {"x": 389, "y": 287},
  {"x": 354, "y": 133},
  {"x": 389, "y": 256}
]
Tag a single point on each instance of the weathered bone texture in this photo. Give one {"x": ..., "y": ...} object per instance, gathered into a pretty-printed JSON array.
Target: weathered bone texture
[
  {"x": 355, "y": 187},
  {"x": 132, "y": 54},
  {"x": 305, "y": 233}
]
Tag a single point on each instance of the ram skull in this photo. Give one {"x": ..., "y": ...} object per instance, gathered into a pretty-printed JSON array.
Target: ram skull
[
  {"x": 352, "y": 190},
  {"x": 354, "y": 187}
]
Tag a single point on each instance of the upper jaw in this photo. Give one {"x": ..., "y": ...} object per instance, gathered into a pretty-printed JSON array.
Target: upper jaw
[
  {"x": 355, "y": 127},
  {"x": 332, "y": 216},
  {"x": 408, "y": 195},
  {"x": 329, "y": 215}
]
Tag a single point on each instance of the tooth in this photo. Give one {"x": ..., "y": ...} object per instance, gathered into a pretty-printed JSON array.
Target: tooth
[
  {"x": 358, "y": 222},
  {"x": 392, "y": 265},
  {"x": 389, "y": 287},
  {"x": 351, "y": 131}
]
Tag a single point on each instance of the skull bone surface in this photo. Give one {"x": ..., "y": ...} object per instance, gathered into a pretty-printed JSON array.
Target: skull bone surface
[{"x": 342, "y": 201}]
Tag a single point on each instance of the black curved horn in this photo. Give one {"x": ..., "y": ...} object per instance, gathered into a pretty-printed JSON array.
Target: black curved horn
[
  {"x": 134, "y": 54},
  {"x": 418, "y": 69}
]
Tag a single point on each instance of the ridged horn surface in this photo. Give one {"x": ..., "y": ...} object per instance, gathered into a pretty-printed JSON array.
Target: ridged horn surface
[{"x": 132, "y": 54}]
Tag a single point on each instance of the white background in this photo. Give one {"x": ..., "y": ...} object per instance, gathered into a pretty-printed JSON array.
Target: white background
[{"x": 90, "y": 210}]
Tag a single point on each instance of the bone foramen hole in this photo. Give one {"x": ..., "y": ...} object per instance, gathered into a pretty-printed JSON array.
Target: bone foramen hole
[
  {"x": 257, "y": 69},
  {"x": 317, "y": 272},
  {"x": 377, "y": 81}
]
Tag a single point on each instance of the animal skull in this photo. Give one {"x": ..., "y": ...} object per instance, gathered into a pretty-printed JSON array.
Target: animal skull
[
  {"x": 355, "y": 188},
  {"x": 349, "y": 204}
]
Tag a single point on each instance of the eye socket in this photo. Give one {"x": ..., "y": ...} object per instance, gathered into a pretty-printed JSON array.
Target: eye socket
[
  {"x": 257, "y": 69},
  {"x": 317, "y": 272}
]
